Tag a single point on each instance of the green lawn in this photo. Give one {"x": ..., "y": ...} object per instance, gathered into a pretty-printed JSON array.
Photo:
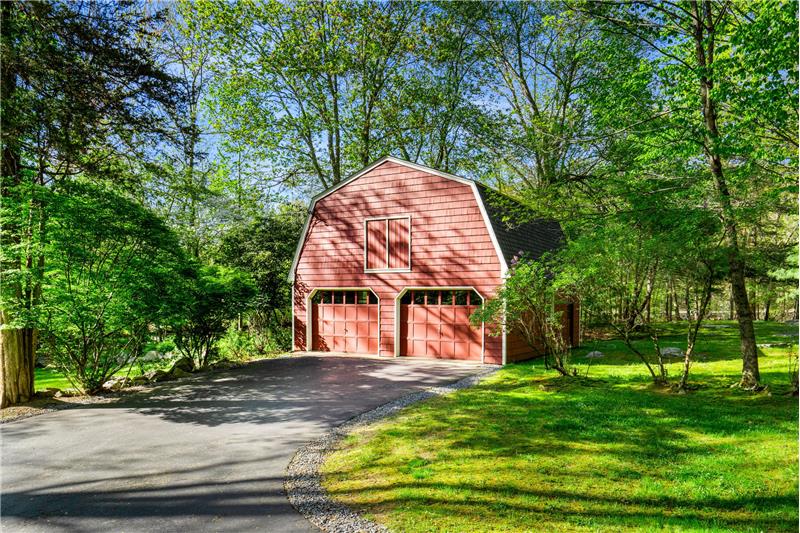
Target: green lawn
[
  {"x": 45, "y": 378},
  {"x": 528, "y": 451}
]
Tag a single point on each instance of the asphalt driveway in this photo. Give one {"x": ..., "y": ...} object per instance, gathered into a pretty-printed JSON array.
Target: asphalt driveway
[{"x": 205, "y": 455}]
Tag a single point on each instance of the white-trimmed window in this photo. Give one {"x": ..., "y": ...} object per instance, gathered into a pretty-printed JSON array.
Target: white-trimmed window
[{"x": 387, "y": 244}]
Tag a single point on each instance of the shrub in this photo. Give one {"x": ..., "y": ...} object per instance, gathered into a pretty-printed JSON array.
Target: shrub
[
  {"x": 113, "y": 271},
  {"x": 218, "y": 295},
  {"x": 525, "y": 303}
]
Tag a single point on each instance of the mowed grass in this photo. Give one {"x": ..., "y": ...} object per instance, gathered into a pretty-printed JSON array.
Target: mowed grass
[
  {"x": 46, "y": 378},
  {"x": 528, "y": 451}
]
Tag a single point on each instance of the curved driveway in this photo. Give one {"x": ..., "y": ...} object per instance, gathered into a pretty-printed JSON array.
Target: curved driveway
[{"x": 208, "y": 454}]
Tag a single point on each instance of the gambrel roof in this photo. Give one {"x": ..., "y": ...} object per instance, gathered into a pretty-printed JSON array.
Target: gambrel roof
[{"x": 533, "y": 237}]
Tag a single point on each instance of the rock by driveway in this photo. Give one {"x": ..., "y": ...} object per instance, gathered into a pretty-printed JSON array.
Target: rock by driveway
[{"x": 205, "y": 455}]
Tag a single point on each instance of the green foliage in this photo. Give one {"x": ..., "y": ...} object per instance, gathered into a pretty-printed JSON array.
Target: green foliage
[
  {"x": 319, "y": 90},
  {"x": 20, "y": 290},
  {"x": 217, "y": 295},
  {"x": 247, "y": 344},
  {"x": 526, "y": 304},
  {"x": 265, "y": 248},
  {"x": 113, "y": 271}
]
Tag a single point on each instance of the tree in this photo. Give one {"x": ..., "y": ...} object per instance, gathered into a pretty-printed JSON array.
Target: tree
[
  {"x": 265, "y": 248},
  {"x": 320, "y": 89},
  {"x": 218, "y": 295},
  {"x": 77, "y": 85},
  {"x": 114, "y": 271},
  {"x": 728, "y": 96},
  {"x": 184, "y": 159}
]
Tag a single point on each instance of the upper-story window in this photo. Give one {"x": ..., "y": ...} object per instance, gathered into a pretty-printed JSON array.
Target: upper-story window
[{"x": 387, "y": 244}]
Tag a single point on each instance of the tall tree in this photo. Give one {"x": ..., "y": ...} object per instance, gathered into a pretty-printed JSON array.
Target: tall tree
[
  {"x": 77, "y": 84},
  {"x": 729, "y": 94},
  {"x": 539, "y": 60},
  {"x": 184, "y": 160},
  {"x": 320, "y": 89}
]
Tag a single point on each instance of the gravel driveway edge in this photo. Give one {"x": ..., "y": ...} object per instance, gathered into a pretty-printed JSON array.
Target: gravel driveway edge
[{"x": 303, "y": 483}]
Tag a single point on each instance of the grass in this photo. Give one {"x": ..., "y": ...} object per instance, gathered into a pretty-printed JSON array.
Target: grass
[
  {"x": 528, "y": 451},
  {"x": 45, "y": 378}
]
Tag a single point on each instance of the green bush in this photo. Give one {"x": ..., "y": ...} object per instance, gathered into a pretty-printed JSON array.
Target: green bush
[
  {"x": 218, "y": 295},
  {"x": 114, "y": 270}
]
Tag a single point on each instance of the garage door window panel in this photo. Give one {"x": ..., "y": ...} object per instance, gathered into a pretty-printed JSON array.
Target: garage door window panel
[{"x": 435, "y": 323}]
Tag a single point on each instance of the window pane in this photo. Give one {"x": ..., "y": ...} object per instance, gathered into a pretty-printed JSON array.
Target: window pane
[
  {"x": 474, "y": 298},
  {"x": 398, "y": 242},
  {"x": 363, "y": 297},
  {"x": 461, "y": 297},
  {"x": 325, "y": 297},
  {"x": 376, "y": 244},
  {"x": 433, "y": 297},
  {"x": 447, "y": 297},
  {"x": 338, "y": 297},
  {"x": 406, "y": 299},
  {"x": 372, "y": 298},
  {"x": 350, "y": 297},
  {"x": 317, "y": 298},
  {"x": 419, "y": 297}
]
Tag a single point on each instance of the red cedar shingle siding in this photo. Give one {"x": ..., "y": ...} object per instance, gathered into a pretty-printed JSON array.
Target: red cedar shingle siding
[
  {"x": 450, "y": 244},
  {"x": 517, "y": 348}
]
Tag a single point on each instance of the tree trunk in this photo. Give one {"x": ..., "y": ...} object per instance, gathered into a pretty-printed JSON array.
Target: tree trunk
[
  {"x": 767, "y": 305},
  {"x": 17, "y": 359},
  {"x": 668, "y": 305},
  {"x": 705, "y": 47}
]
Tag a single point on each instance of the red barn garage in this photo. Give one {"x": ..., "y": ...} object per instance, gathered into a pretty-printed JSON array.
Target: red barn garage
[{"x": 394, "y": 259}]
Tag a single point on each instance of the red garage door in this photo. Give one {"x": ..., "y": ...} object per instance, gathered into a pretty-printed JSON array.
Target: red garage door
[
  {"x": 345, "y": 321},
  {"x": 435, "y": 323}
]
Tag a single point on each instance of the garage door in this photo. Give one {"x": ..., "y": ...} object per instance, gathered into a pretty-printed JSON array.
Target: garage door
[
  {"x": 435, "y": 323},
  {"x": 345, "y": 321}
]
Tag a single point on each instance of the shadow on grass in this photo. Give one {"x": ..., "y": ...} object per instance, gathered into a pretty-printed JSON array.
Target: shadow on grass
[
  {"x": 556, "y": 505},
  {"x": 612, "y": 452}
]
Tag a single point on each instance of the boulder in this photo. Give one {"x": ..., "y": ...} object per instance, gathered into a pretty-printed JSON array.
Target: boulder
[
  {"x": 184, "y": 363},
  {"x": 594, "y": 355},
  {"x": 152, "y": 355},
  {"x": 671, "y": 351},
  {"x": 115, "y": 384},
  {"x": 224, "y": 365},
  {"x": 157, "y": 375},
  {"x": 179, "y": 373}
]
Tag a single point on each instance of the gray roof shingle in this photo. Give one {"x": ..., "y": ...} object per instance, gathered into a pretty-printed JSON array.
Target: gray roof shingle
[{"x": 532, "y": 237}]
